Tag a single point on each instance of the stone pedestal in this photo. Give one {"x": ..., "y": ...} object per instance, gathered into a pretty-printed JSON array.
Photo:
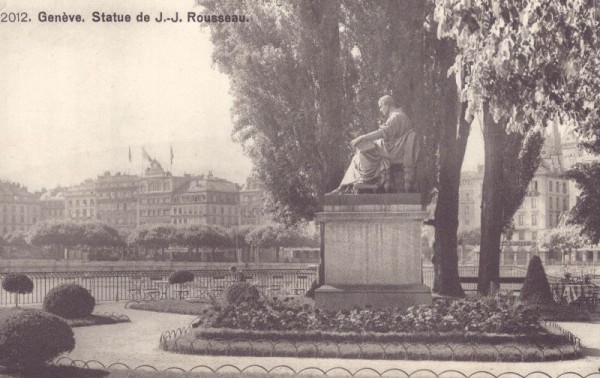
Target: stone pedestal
[{"x": 372, "y": 251}]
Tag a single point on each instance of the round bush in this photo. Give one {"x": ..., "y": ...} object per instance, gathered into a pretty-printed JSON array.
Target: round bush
[
  {"x": 69, "y": 301},
  {"x": 181, "y": 277},
  {"x": 17, "y": 283},
  {"x": 242, "y": 292},
  {"x": 30, "y": 338}
]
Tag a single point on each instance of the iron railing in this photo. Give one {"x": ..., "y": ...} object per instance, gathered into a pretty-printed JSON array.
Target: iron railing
[
  {"x": 128, "y": 285},
  {"x": 174, "y": 341},
  {"x": 338, "y": 371}
]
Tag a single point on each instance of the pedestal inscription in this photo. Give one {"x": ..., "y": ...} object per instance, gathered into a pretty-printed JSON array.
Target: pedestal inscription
[{"x": 372, "y": 250}]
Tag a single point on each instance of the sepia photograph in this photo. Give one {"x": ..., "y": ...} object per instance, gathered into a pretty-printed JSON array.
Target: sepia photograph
[{"x": 316, "y": 188}]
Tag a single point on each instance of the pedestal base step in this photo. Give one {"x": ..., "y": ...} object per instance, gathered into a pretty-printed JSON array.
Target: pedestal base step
[{"x": 342, "y": 297}]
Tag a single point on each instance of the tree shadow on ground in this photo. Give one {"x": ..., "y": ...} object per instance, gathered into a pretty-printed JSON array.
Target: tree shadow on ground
[{"x": 57, "y": 372}]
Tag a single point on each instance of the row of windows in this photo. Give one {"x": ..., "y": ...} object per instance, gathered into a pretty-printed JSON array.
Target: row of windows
[
  {"x": 521, "y": 219},
  {"x": 200, "y": 210},
  {"x": 83, "y": 213},
  {"x": 53, "y": 212},
  {"x": 556, "y": 186},
  {"x": 556, "y": 203},
  {"x": 14, "y": 208},
  {"x": 154, "y": 213},
  {"x": 117, "y": 206},
  {"x": 224, "y": 221},
  {"x": 157, "y": 186},
  {"x": 120, "y": 194},
  {"x": 14, "y": 219},
  {"x": 249, "y": 212},
  {"x": 125, "y": 184},
  {"x": 155, "y": 200},
  {"x": 83, "y": 202},
  {"x": 521, "y": 235},
  {"x": 247, "y": 200},
  {"x": 7, "y": 229},
  {"x": 212, "y": 198}
]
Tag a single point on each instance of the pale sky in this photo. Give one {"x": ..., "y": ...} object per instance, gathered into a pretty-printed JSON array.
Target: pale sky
[{"x": 75, "y": 97}]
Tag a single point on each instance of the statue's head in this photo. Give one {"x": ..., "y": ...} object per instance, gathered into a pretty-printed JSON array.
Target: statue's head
[{"x": 386, "y": 104}]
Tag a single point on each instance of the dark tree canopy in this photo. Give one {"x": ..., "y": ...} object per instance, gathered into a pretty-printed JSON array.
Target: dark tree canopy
[
  {"x": 306, "y": 77},
  {"x": 586, "y": 211}
]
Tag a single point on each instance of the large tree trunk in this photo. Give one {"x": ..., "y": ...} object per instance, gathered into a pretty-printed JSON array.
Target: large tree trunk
[
  {"x": 325, "y": 16},
  {"x": 452, "y": 147},
  {"x": 492, "y": 210}
]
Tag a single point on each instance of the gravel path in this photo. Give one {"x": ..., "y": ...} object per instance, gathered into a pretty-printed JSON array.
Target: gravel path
[{"x": 136, "y": 344}]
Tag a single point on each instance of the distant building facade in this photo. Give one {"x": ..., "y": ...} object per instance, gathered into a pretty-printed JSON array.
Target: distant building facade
[
  {"x": 155, "y": 194},
  {"x": 206, "y": 200},
  {"x": 251, "y": 211},
  {"x": 117, "y": 200},
  {"x": 19, "y": 209},
  {"x": 80, "y": 202},
  {"x": 52, "y": 204}
]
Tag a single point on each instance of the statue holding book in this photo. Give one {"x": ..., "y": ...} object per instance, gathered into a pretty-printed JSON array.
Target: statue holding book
[{"x": 394, "y": 143}]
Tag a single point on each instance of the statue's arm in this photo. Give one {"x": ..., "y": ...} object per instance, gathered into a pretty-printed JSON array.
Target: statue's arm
[{"x": 373, "y": 135}]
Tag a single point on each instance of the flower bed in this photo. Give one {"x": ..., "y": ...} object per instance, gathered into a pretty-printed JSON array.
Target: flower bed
[
  {"x": 486, "y": 329},
  {"x": 500, "y": 315}
]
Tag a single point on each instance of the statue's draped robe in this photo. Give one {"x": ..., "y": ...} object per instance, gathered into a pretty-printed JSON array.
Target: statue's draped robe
[{"x": 369, "y": 165}]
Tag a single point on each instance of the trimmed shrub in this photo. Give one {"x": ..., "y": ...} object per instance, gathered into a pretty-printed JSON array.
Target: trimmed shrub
[
  {"x": 181, "y": 277},
  {"x": 535, "y": 287},
  {"x": 241, "y": 292},
  {"x": 17, "y": 283},
  {"x": 69, "y": 301},
  {"x": 30, "y": 338}
]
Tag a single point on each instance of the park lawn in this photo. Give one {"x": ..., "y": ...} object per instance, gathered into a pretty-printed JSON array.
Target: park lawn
[{"x": 174, "y": 306}]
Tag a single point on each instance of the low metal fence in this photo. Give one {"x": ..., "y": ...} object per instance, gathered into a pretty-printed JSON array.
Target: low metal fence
[
  {"x": 173, "y": 341},
  {"x": 473, "y": 271},
  {"x": 280, "y": 370},
  {"x": 127, "y": 285}
]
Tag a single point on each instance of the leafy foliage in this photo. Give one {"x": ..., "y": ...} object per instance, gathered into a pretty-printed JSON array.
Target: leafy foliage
[
  {"x": 16, "y": 238},
  {"x": 30, "y": 338},
  {"x": 69, "y": 301},
  {"x": 181, "y": 277},
  {"x": 305, "y": 79},
  {"x": 527, "y": 63},
  {"x": 562, "y": 240},
  {"x": 17, "y": 283},
  {"x": 535, "y": 287},
  {"x": 521, "y": 161},
  {"x": 69, "y": 234},
  {"x": 100, "y": 235},
  {"x": 241, "y": 292},
  {"x": 531, "y": 61},
  {"x": 56, "y": 232},
  {"x": 470, "y": 237},
  {"x": 501, "y": 314},
  {"x": 586, "y": 211},
  {"x": 270, "y": 236}
]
